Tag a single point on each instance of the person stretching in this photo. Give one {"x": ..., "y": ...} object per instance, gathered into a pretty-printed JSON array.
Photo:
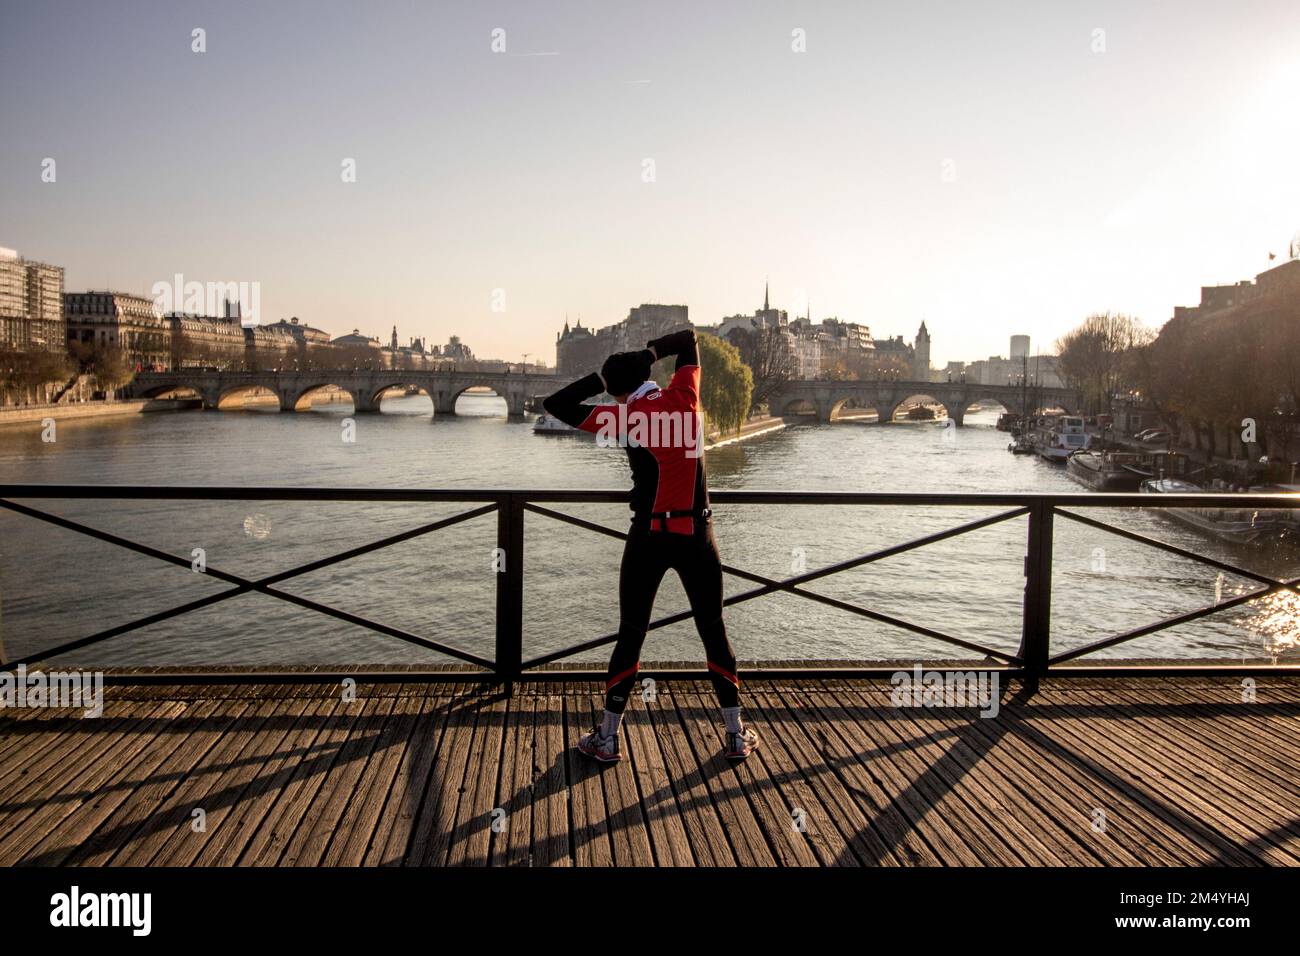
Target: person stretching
[{"x": 671, "y": 526}]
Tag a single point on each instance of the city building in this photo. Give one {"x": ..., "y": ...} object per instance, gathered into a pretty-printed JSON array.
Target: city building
[
  {"x": 457, "y": 351},
  {"x": 303, "y": 333},
  {"x": 355, "y": 338},
  {"x": 31, "y": 304},
  {"x": 579, "y": 350},
  {"x": 997, "y": 370},
  {"x": 1280, "y": 282},
  {"x": 201, "y": 341},
  {"x": 132, "y": 323},
  {"x": 921, "y": 355}
]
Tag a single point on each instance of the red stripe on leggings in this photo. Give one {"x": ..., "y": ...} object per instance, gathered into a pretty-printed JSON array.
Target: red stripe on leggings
[
  {"x": 725, "y": 673},
  {"x": 623, "y": 676}
]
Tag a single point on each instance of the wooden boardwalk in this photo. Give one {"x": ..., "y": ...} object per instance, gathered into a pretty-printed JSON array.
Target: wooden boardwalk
[{"x": 1122, "y": 771}]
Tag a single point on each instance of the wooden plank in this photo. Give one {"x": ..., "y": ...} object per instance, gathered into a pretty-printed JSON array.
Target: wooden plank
[
  {"x": 364, "y": 815},
  {"x": 805, "y": 779},
  {"x": 876, "y": 753},
  {"x": 32, "y": 800},
  {"x": 147, "y": 745},
  {"x": 339, "y": 783},
  {"x": 431, "y": 838},
  {"x": 704, "y": 827},
  {"x": 762, "y": 820},
  {"x": 629, "y": 835},
  {"x": 663, "y": 818},
  {"x": 172, "y": 839},
  {"x": 471, "y": 838},
  {"x": 139, "y": 805},
  {"x": 277, "y": 828},
  {"x": 817, "y": 723},
  {"x": 512, "y": 846},
  {"x": 1130, "y": 770},
  {"x": 246, "y": 792},
  {"x": 552, "y": 836},
  {"x": 1069, "y": 787},
  {"x": 591, "y": 840},
  {"x": 1243, "y": 810},
  {"x": 393, "y": 832}
]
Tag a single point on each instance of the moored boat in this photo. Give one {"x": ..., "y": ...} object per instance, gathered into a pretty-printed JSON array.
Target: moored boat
[
  {"x": 1057, "y": 437},
  {"x": 1106, "y": 470},
  {"x": 547, "y": 424},
  {"x": 1234, "y": 525}
]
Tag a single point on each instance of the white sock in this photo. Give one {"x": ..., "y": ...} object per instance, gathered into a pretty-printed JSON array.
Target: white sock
[
  {"x": 609, "y": 724},
  {"x": 732, "y": 717}
]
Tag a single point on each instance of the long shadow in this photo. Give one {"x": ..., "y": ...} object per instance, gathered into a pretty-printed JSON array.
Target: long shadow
[{"x": 429, "y": 793}]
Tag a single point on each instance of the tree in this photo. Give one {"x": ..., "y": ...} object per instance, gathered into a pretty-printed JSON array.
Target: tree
[
  {"x": 770, "y": 359},
  {"x": 1099, "y": 357},
  {"x": 23, "y": 373},
  {"x": 727, "y": 383}
]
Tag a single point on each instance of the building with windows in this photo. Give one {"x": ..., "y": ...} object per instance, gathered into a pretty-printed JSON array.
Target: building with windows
[
  {"x": 580, "y": 350},
  {"x": 31, "y": 304},
  {"x": 356, "y": 339},
  {"x": 302, "y": 333},
  {"x": 122, "y": 320}
]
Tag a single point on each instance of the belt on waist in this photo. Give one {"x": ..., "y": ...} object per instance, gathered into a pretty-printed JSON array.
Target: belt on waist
[{"x": 650, "y": 517}]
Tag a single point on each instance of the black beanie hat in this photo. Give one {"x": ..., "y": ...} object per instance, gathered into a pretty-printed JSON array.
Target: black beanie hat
[{"x": 624, "y": 371}]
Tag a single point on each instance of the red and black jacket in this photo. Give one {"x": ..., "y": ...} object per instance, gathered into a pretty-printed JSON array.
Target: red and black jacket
[{"x": 669, "y": 488}]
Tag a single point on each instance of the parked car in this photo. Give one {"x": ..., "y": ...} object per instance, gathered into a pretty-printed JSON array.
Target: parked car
[{"x": 1156, "y": 435}]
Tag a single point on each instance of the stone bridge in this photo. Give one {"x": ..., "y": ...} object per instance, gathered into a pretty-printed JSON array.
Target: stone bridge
[
  {"x": 294, "y": 389},
  {"x": 827, "y": 397}
]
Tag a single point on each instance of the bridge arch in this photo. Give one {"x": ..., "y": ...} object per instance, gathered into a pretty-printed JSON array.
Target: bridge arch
[
  {"x": 1002, "y": 401},
  {"x": 159, "y": 390},
  {"x": 928, "y": 398},
  {"x": 514, "y": 396},
  {"x": 301, "y": 398},
  {"x": 837, "y": 406},
  {"x": 376, "y": 394},
  {"x": 234, "y": 396}
]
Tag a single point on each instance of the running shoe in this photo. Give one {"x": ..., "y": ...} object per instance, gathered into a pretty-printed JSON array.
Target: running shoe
[
  {"x": 604, "y": 749},
  {"x": 741, "y": 745}
]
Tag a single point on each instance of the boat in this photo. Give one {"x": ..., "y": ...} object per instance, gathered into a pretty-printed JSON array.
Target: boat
[
  {"x": 921, "y": 413},
  {"x": 1234, "y": 525},
  {"x": 1021, "y": 445},
  {"x": 1008, "y": 422},
  {"x": 1057, "y": 437},
  {"x": 1106, "y": 470},
  {"x": 548, "y": 424}
]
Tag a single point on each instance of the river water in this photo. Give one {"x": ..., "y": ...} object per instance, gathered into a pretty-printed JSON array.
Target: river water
[{"x": 56, "y": 585}]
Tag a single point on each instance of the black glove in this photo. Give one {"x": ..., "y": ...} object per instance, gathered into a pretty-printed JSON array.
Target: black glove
[{"x": 624, "y": 371}]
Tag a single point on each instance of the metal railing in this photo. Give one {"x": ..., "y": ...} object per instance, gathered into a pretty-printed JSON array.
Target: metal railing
[{"x": 1034, "y": 658}]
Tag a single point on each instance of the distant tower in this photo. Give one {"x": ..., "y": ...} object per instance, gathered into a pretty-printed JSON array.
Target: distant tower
[
  {"x": 765, "y": 305},
  {"x": 393, "y": 341},
  {"x": 1019, "y": 346},
  {"x": 921, "y": 355}
]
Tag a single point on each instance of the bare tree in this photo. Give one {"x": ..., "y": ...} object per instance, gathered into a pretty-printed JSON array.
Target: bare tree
[
  {"x": 770, "y": 359},
  {"x": 1099, "y": 357}
]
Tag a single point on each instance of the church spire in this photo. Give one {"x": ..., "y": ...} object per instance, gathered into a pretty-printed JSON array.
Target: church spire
[{"x": 765, "y": 305}]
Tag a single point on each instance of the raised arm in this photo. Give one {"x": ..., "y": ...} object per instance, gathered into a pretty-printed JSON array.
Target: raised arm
[
  {"x": 679, "y": 344},
  {"x": 566, "y": 404}
]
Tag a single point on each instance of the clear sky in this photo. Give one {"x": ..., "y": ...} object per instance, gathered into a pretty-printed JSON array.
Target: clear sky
[{"x": 978, "y": 165}]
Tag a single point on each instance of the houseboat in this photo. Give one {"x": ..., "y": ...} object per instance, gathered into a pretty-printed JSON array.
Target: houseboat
[
  {"x": 1106, "y": 470},
  {"x": 1234, "y": 525},
  {"x": 1057, "y": 437}
]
